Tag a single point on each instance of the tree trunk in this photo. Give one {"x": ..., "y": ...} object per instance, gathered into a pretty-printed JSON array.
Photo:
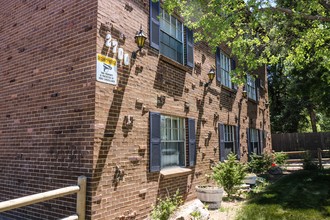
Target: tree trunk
[{"x": 312, "y": 115}]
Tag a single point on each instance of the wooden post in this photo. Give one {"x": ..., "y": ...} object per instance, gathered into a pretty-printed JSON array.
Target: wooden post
[
  {"x": 81, "y": 198},
  {"x": 319, "y": 155}
]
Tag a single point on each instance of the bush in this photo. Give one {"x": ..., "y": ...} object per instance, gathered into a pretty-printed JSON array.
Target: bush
[
  {"x": 260, "y": 163},
  {"x": 166, "y": 207},
  {"x": 308, "y": 163},
  {"x": 229, "y": 174},
  {"x": 280, "y": 158}
]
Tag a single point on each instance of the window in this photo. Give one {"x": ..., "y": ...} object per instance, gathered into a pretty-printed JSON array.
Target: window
[
  {"x": 229, "y": 137},
  {"x": 225, "y": 64},
  {"x": 229, "y": 140},
  {"x": 251, "y": 87},
  {"x": 254, "y": 141},
  {"x": 172, "y": 132},
  {"x": 171, "y": 37},
  {"x": 225, "y": 70},
  {"x": 172, "y": 142},
  {"x": 168, "y": 35}
]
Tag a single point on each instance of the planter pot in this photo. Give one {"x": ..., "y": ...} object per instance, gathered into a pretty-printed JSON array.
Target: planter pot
[
  {"x": 250, "y": 179},
  {"x": 210, "y": 195}
]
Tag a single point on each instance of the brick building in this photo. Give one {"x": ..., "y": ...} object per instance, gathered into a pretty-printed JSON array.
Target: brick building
[{"x": 150, "y": 128}]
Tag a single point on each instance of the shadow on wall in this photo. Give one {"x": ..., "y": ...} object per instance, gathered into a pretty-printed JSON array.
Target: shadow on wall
[
  {"x": 169, "y": 79},
  {"x": 114, "y": 111}
]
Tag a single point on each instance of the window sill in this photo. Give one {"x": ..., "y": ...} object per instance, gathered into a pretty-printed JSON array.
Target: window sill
[
  {"x": 174, "y": 63},
  {"x": 174, "y": 172},
  {"x": 228, "y": 89},
  {"x": 253, "y": 101}
]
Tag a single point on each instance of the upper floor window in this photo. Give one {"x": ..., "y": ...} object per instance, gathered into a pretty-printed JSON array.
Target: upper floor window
[
  {"x": 251, "y": 87},
  {"x": 169, "y": 36},
  {"x": 224, "y": 64},
  {"x": 225, "y": 70}
]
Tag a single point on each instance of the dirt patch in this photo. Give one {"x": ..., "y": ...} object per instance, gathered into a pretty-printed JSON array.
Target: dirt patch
[{"x": 227, "y": 211}]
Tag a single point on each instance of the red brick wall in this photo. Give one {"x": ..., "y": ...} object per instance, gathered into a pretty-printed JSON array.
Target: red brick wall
[
  {"x": 149, "y": 76},
  {"x": 47, "y": 77}
]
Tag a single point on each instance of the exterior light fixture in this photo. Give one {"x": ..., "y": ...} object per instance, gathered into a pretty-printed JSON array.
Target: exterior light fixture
[
  {"x": 140, "y": 39},
  {"x": 244, "y": 92},
  {"x": 211, "y": 76},
  {"x": 267, "y": 104}
]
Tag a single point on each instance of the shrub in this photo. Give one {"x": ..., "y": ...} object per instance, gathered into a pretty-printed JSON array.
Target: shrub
[
  {"x": 280, "y": 158},
  {"x": 260, "y": 163},
  {"x": 165, "y": 207},
  {"x": 308, "y": 163},
  {"x": 229, "y": 174}
]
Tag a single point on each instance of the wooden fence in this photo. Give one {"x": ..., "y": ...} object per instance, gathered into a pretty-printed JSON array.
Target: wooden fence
[{"x": 300, "y": 141}]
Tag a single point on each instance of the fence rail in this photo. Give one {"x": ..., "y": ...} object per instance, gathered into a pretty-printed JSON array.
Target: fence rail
[
  {"x": 318, "y": 156},
  {"x": 80, "y": 189}
]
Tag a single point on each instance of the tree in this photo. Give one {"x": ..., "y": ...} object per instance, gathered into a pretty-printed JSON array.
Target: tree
[
  {"x": 262, "y": 32},
  {"x": 299, "y": 98}
]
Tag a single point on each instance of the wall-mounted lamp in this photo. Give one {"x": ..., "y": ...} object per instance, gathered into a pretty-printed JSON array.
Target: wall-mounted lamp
[
  {"x": 244, "y": 92},
  {"x": 211, "y": 76},
  {"x": 267, "y": 104},
  {"x": 140, "y": 39}
]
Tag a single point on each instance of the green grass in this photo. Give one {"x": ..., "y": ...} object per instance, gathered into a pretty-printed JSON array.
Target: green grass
[{"x": 304, "y": 195}]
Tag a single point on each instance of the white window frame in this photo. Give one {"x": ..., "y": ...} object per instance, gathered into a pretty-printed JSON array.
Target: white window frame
[
  {"x": 229, "y": 136},
  {"x": 166, "y": 27},
  {"x": 225, "y": 68},
  {"x": 254, "y": 138},
  {"x": 251, "y": 87},
  {"x": 179, "y": 132}
]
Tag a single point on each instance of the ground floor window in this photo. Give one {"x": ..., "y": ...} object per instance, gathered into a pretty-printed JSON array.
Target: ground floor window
[
  {"x": 172, "y": 142},
  {"x": 229, "y": 139},
  {"x": 254, "y": 141},
  {"x": 172, "y": 130}
]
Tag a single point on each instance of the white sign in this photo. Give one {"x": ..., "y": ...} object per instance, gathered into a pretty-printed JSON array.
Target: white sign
[{"x": 106, "y": 69}]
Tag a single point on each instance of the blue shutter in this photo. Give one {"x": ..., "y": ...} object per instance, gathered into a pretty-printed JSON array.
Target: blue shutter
[
  {"x": 192, "y": 141},
  {"x": 237, "y": 142},
  {"x": 248, "y": 142},
  {"x": 218, "y": 65},
  {"x": 221, "y": 141},
  {"x": 233, "y": 67},
  {"x": 154, "y": 29},
  {"x": 189, "y": 47},
  {"x": 154, "y": 162}
]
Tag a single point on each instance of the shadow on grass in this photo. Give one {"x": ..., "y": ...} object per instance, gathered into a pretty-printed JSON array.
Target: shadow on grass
[{"x": 301, "y": 195}]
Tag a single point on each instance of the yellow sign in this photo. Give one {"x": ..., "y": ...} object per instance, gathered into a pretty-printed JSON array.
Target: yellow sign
[{"x": 107, "y": 60}]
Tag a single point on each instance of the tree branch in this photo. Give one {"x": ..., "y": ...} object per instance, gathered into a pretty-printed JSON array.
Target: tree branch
[
  {"x": 290, "y": 12},
  {"x": 325, "y": 4}
]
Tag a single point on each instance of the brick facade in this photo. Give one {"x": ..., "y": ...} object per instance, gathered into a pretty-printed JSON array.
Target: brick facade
[{"x": 58, "y": 122}]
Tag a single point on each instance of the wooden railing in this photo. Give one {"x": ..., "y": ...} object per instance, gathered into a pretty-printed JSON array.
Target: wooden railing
[
  {"x": 80, "y": 189},
  {"x": 319, "y": 155}
]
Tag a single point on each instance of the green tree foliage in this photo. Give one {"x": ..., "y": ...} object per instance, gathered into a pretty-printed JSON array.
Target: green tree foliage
[
  {"x": 260, "y": 31},
  {"x": 299, "y": 98}
]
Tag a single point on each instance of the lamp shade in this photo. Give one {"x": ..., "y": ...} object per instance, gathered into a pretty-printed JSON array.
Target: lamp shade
[
  {"x": 211, "y": 74},
  {"x": 140, "y": 39}
]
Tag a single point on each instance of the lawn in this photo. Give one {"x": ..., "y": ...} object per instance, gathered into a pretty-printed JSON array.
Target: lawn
[{"x": 298, "y": 196}]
